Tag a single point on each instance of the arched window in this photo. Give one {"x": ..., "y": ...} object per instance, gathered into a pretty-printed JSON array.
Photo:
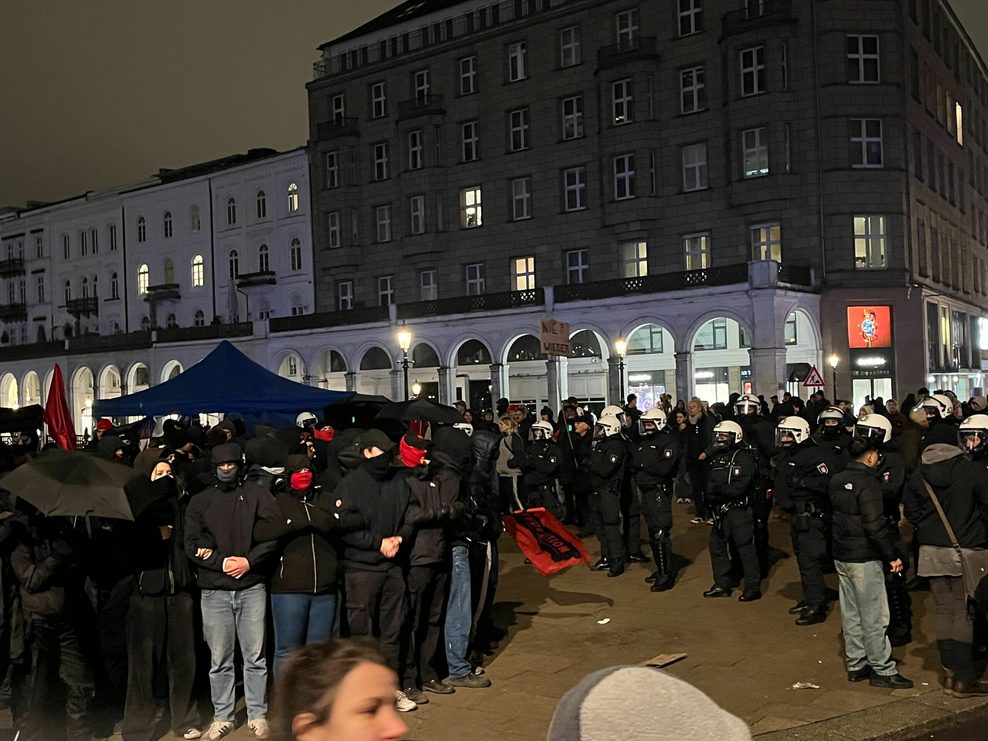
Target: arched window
[
  {"x": 114, "y": 286},
  {"x": 198, "y": 272},
  {"x": 85, "y": 287},
  {"x": 263, "y": 261},
  {"x": 143, "y": 279},
  {"x": 68, "y": 291},
  {"x": 194, "y": 223},
  {"x": 169, "y": 271},
  {"x": 199, "y": 319},
  {"x": 262, "y": 205},
  {"x": 171, "y": 322},
  {"x": 231, "y": 211},
  {"x": 145, "y": 324},
  {"x": 292, "y": 198},
  {"x": 142, "y": 230},
  {"x": 234, "y": 264},
  {"x": 296, "y": 253},
  {"x": 168, "y": 224},
  {"x": 95, "y": 286}
]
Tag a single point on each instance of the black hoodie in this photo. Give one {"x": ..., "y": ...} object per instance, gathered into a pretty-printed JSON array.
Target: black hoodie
[
  {"x": 382, "y": 500},
  {"x": 962, "y": 488}
]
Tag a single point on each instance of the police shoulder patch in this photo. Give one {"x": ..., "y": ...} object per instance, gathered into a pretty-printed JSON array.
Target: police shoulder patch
[
  {"x": 822, "y": 468},
  {"x": 668, "y": 453},
  {"x": 614, "y": 459},
  {"x": 849, "y": 486}
]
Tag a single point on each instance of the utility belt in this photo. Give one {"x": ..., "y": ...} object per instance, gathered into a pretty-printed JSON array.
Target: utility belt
[
  {"x": 727, "y": 505},
  {"x": 807, "y": 509},
  {"x": 660, "y": 488}
]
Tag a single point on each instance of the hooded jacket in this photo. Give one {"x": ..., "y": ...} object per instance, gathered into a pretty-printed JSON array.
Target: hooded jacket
[
  {"x": 161, "y": 565},
  {"x": 382, "y": 503},
  {"x": 480, "y": 521},
  {"x": 961, "y": 487},
  {"x": 861, "y": 532}
]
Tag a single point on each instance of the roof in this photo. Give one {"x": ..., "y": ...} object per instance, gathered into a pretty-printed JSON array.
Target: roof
[{"x": 398, "y": 14}]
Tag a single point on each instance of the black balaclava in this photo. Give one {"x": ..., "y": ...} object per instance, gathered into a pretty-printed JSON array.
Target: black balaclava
[{"x": 378, "y": 466}]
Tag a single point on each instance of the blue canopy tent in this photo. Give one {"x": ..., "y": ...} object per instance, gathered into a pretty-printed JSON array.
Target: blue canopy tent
[{"x": 225, "y": 381}]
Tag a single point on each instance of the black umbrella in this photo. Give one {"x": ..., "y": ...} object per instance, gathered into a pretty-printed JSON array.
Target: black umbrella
[
  {"x": 72, "y": 484},
  {"x": 430, "y": 411}
]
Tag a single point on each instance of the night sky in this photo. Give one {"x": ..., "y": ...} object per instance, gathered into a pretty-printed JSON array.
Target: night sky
[{"x": 105, "y": 92}]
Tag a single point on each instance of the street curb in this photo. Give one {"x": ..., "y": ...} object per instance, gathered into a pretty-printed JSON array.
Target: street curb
[{"x": 895, "y": 721}]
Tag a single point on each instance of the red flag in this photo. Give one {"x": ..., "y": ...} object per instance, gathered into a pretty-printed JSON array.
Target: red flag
[
  {"x": 545, "y": 541},
  {"x": 57, "y": 415}
]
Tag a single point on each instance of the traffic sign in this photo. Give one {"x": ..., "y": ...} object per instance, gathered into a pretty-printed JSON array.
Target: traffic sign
[{"x": 813, "y": 378}]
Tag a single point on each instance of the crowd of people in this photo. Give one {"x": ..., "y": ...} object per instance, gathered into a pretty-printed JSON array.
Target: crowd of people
[{"x": 318, "y": 533}]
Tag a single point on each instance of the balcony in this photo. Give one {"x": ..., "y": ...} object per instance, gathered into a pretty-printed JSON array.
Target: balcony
[
  {"x": 88, "y": 306},
  {"x": 346, "y": 126},
  {"x": 9, "y": 353},
  {"x": 13, "y": 312},
  {"x": 260, "y": 278},
  {"x": 757, "y": 14},
  {"x": 163, "y": 292},
  {"x": 100, "y": 342},
  {"x": 631, "y": 50},
  {"x": 207, "y": 332},
  {"x": 364, "y": 315},
  {"x": 467, "y": 304},
  {"x": 724, "y": 275},
  {"x": 421, "y": 105},
  {"x": 796, "y": 275},
  {"x": 12, "y": 266}
]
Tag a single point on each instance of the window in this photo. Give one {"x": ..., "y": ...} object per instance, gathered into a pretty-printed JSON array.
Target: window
[
  {"x": 296, "y": 254},
  {"x": 869, "y": 242},
  {"x": 753, "y": 71},
  {"x": 198, "y": 272},
  {"x": 766, "y": 242},
  {"x": 621, "y": 102},
  {"x": 143, "y": 279},
  {"x": 41, "y": 289},
  {"x": 263, "y": 259},
  {"x": 428, "y": 285},
  {"x": 468, "y": 75},
  {"x": 113, "y": 237},
  {"x": 521, "y": 198},
  {"x": 292, "y": 197},
  {"x": 866, "y": 142},
  {"x": 692, "y": 90},
  {"x": 39, "y": 246},
  {"x": 577, "y": 266},
  {"x": 862, "y": 59},
  {"x": 415, "y": 149},
  {"x": 574, "y": 189},
  {"x": 517, "y": 62},
  {"x": 476, "y": 283},
  {"x": 94, "y": 239},
  {"x": 634, "y": 258},
  {"x": 199, "y": 319},
  {"x": 332, "y": 169},
  {"x": 334, "y": 237},
  {"x": 381, "y": 161},
  {"x": 471, "y": 213},
  {"x": 518, "y": 129},
  {"x": 379, "y": 100},
  {"x": 421, "y": 85},
  {"x": 624, "y": 177},
  {"x": 85, "y": 290},
  {"x": 696, "y": 251},
  {"x": 626, "y": 29},
  {"x": 195, "y": 224},
  {"x": 338, "y": 106},
  {"x": 83, "y": 243},
  {"x": 754, "y": 147},
  {"x": 114, "y": 286},
  {"x": 570, "y": 53},
  {"x": 572, "y": 109},
  {"x": 65, "y": 247},
  {"x": 470, "y": 141},
  {"x": 695, "y": 166},
  {"x": 523, "y": 274},
  {"x": 690, "y": 17},
  {"x": 262, "y": 205},
  {"x": 234, "y": 265},
  {"x": 790, "y": 330},
  {"x": 385, "y": 290},
  {"x": 68, "y": 291},
  {"x": 382, "y": 219},
  {"x": 344, "y": 295},
  {"x": 145, "y": 324},
  {"x": 416, "y": 213},
  {"x": 171, "y": 322},
  {"x": 231, "y": 211},
  {"x": 712, "y": 335},
  {"x": 142, "y": 232}
]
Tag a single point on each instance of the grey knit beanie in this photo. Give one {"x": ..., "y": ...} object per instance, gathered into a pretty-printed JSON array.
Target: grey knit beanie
[{"x": 635, "y": 703}]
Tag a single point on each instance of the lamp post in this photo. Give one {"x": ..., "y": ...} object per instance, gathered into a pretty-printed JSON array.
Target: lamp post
[
  {"x": 405, "y": 342},
  {"x": 621, "y": 347},
  {"x": 834, "y": 361}
]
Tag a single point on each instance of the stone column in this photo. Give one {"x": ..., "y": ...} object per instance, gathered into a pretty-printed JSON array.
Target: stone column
[
  {"x": 397, "y": 390},
  {"x": 445, "y": 391},
  {"x": 351, "y": 380},
  {"x": 768, "y": 370},
  {"x": 614, "y": 381},
  {"x": 552, "y": 382},
  {"x": 684, "y": 375},
  {"x": 497, "y": 382}
]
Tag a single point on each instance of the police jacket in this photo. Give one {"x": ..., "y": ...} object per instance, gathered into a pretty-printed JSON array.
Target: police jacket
[
  {"x": 656, "y": 459},
  {"x": 891, "y": 474},
  {"x": 861, "y": 531},
  {"x": 607, "y": 462},
  {"x": 543, "y": 459},
  {"x": 803, "y": 473},
  {"x": 962, "y": 488},
  {"x": 382, "y": 500},
  {"x": 576, "y": 456},
  {"x": 759, "y": 432},
  {"x": 733, "y": 473}
]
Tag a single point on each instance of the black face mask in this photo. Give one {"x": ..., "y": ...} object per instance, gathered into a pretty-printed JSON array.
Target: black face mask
[
  {"x": 165, "y": 487},
  {"x": 378, "y": 466}
]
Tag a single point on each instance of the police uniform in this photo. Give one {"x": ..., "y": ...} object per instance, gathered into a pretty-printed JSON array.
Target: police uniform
[
  {"x": 732, "y": 477},
  {"x": 543, "y": 459},
  {"x": 655, "y": 462},
  {"x": 607, "y": 464},
  {"x": 760, "y": 433}
]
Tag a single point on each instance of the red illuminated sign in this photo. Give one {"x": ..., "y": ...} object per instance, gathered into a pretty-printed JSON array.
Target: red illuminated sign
[{"x": 869, "y": 326}]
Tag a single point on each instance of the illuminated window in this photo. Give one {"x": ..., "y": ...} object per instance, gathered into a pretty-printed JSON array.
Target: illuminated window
[
  {"x": 198, "y": 272},
  {"x": 754, "y": 146},
  {"x": 869, "y": 242},
  {"x": 292, "y": 198},
  {"x": 143, "y": 279},
  {"x": 634, "y": 256},
  {"x": 471, "y": 209},
  {"x": 696, "y": 251},
  {"x": 766, "y": 242},
  {"x": 523, "y": 274}
]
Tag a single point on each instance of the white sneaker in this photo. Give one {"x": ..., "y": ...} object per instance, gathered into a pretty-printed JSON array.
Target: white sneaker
[
  {"x": 402, "y": 703},
  {"x": 218, "y": 729},
  {"x": 260, "y": 727},
  {"x": 192, "y": 733}
]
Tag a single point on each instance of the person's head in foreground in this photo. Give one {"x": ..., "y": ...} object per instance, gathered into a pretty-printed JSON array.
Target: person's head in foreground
[
  {"x": 635, "y": 703},
  {"x": 340, "y": 690}
]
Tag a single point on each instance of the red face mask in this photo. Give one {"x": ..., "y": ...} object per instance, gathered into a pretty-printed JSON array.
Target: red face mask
[
  {"x": 410, "y": 455},
  {"x": 301, "y": 480},
  {"x": 324, "y": 433}
]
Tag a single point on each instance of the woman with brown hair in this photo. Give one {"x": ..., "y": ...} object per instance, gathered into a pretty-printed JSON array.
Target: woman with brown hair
[
  {"x": 341, "y": 690},
  {"x": 510, "y": 455}
]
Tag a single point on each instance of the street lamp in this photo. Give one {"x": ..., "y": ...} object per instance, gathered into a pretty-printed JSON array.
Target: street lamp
[
  {"x": 834, "y": 361},
  {"x": 405, "y": 342},
  {"x": 416, "y": 389},
  {"x": 621, "y": 347}
]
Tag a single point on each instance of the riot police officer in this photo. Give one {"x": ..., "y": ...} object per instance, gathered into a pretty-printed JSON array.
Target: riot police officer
[
  {"x": 542, "y": 463},
  {"x": 972, "y": 438},
  {"x": 631, "y": 513},
  {"x": 940, "y": 420},
  {"x": 655, "y": 461},
  {"x": 733, "y": 474},
  {"x": 759, "y": 434},
  {"x": 831, "y": 427},
  {"x": 608, "y": 461}
]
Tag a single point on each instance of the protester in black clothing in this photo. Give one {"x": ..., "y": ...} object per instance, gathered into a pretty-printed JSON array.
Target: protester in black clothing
[
  {"x": 699, "y": 438},
  {"x": 265, "y": 457}
]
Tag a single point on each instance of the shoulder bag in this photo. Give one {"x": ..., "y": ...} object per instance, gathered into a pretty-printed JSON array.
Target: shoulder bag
[{"x": 974, "y": 562}]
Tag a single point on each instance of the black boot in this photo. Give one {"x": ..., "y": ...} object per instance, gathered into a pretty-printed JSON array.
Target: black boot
[
  {"x": 663, "y": 573},
  {"x": 812, "y": 615}
]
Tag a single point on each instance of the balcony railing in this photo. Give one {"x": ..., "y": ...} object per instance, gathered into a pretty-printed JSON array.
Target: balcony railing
[
  {"x": 98, "y": 342},
  {"x": 12, "y": 266},
  {"x": 420, "y": 105},
  {"x": 724, "y": 275},
  {"x": 324, "y": 319},
  {"x": 260, "y": 278},
  {"x": 13, "y": 312},
  {"x": 207, "y": 332},
  {"x": 640, "y": 47},
  {"x": 82, "y": 306},
  {"x": 797, "y": 275},
  {"x": 346, "y": 126},
  {"x": 757, "y": 13},
  {"x": 163, "y": 292},
  {"x": 466, "y": 304}
]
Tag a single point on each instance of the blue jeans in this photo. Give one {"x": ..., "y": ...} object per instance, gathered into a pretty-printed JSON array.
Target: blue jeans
[
  {"x": 459, "y": 616},
  {"x": 300, "y": 619},
  {"x": 864, "y": 611},
  {"x": 228, "y": 617}
]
